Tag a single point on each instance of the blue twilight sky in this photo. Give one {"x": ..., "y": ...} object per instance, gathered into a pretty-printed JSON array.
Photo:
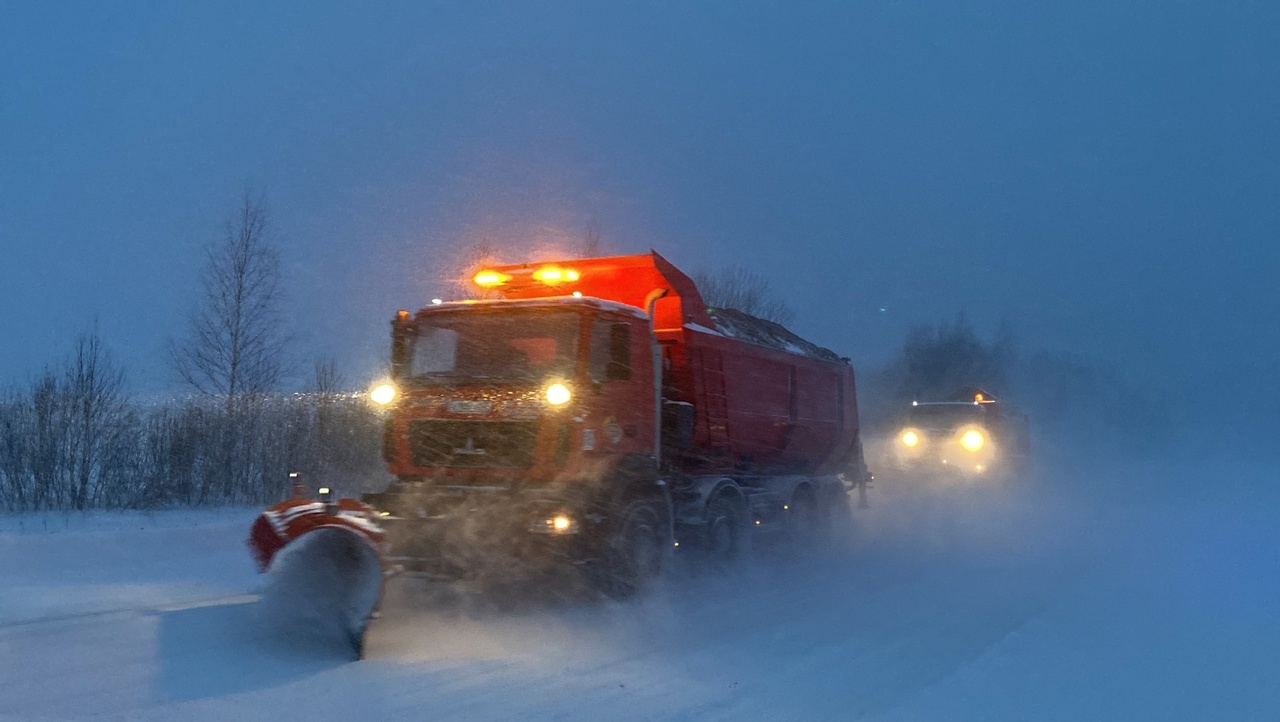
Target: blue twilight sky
[{"x": 1105, "y": 175}]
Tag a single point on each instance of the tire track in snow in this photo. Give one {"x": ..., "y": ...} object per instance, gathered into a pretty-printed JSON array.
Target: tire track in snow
[{"x": 152, "y": 608}]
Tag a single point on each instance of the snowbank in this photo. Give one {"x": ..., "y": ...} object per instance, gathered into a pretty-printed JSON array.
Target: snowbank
[{"x": 1144, "y": 589}]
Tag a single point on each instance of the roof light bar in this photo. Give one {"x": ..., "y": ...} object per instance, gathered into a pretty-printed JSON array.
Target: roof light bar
[
  {"x": 552, "y": 275},
  {"x": 490, "y": 278}
]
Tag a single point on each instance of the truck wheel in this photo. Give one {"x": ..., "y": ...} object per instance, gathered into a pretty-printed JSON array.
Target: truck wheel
[
  {"x": 639, "y": 549},
  {"x": 724, "y": 533},
  {"x": 839, "y": 515},
  {"x": 807, "y": 524}
]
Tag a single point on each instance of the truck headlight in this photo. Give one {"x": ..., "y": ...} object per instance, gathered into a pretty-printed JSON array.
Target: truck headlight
[
  {"x": 558, "y": 394},
  {"x": 383, "y": 394},
  {"x": 972, "y": 440},
  {"x": 910, "y": 439}
]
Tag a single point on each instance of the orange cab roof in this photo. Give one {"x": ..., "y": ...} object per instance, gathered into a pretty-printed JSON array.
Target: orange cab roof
[{"x": 625, "y": 279}]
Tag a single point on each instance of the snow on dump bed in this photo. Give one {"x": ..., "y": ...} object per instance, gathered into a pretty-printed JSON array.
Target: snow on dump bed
[{"x": 745, "y": 327}]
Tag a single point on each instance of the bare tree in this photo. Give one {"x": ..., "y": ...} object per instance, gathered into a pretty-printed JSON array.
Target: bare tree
[
  {"x": 325, "y": 420},
  {"x": 15, "y": 420},
  {"x": 236, "y": 340},
  {"x": 327, "y": 381},
  {"x": 66, "y": 444},
  {"x": 937, "y": 360},
  {"x": 326, "y": 395},
  {"x": 234, "y": 349},
  {"x": 94, "y": 392},
  {"x": 744, "y": 290},
  {"x": 591, "y": 246},
  {"x": 48, "y": 442}
]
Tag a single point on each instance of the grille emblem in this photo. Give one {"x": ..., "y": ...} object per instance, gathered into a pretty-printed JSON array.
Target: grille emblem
[
  {"x": 463, "y": 406},
  {"x": 470, "y": 449}
]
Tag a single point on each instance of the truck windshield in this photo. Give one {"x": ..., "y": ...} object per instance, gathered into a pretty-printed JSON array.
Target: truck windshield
[{"x": 500, "y": 347}]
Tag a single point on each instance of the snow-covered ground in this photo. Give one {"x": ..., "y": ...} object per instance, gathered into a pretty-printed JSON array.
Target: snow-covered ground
[{"x": 1123, "y": 591}]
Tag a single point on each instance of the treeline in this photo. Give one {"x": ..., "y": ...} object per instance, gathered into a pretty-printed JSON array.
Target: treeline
[
  {"x": 73, "y": 440},
  {"x": 1064, "y": 395}
]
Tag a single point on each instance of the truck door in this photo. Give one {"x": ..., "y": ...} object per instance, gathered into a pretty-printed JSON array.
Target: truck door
[{"x": 621, "y": 414}]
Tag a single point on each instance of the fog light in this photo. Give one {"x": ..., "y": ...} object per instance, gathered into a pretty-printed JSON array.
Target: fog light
[{"x": 558, "y": 524}]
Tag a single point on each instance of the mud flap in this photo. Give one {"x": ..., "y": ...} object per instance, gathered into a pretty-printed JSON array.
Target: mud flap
[{"x": 322, "y": 588}]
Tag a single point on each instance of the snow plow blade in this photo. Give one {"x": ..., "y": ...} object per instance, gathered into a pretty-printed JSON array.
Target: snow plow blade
[{"x": 325, "y": 570}]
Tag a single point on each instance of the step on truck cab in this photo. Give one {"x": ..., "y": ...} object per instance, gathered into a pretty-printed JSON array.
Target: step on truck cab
[{"x": 596, "y": 414}]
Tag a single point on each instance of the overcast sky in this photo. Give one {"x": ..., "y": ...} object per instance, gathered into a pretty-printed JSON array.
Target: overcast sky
[{"x": 1102, "y": 174}]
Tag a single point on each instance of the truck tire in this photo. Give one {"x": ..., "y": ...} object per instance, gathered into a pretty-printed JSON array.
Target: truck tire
[
  {"x": 725, "y": 538},
  {"x": 808, "y": 522},
  {"x": 637, "y": 551},
  {"x": 839, "y": 514}
]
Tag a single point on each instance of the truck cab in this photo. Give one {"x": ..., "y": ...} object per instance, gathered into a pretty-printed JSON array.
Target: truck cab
[{"x": 519, "y": 393}]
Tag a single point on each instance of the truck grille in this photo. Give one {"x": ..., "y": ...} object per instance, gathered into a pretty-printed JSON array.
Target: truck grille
[{"x": 473, "y": 444}]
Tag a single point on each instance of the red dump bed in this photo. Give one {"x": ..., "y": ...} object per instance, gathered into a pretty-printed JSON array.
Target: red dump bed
[{"x": 766, "y": 401}]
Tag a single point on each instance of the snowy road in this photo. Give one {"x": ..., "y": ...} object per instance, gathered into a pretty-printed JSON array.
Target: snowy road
[{"x": 1137, "y": 594}]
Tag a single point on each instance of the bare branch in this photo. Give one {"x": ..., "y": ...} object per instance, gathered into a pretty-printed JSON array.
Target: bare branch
[
  {"x": 328, "y": 379},
  {"x": 738, "y": 288},
  {"x": 592, "y": 246}
]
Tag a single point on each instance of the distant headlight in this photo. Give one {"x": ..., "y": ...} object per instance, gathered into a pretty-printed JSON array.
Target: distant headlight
[
  {"x": 383, "y": 395},
  {"x": 558, "y": 394},
  {"x": 972, "y": 440},
  {"x": 910, "y": 438}
]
